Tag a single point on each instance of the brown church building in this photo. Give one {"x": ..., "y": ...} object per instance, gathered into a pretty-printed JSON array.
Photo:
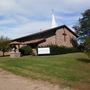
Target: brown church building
[{"x": 60, "y": 36}]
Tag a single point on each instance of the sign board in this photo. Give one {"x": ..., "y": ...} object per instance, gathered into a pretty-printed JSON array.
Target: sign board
[{"x": 45, "y": 50}]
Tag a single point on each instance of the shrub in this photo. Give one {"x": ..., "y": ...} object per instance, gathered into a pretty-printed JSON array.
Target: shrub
[
  {"x": 55, "y": 50},
  {"x": 25, "y": 50},
  {"x": 88, "y": 52},
  {"x": 87, "y": 46},
  {"x": 62, "y": 50},
  {"x": 81, "y": 47}
]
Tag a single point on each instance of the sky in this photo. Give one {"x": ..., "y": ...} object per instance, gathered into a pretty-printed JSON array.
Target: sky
[{"x": 23, "y": 17}]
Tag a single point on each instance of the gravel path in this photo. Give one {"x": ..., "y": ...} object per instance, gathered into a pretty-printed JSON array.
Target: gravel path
[{"x": 9, "y": 81}]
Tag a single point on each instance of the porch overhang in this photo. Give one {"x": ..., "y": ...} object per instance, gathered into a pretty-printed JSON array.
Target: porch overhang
[{"x": 36, "y": 41}]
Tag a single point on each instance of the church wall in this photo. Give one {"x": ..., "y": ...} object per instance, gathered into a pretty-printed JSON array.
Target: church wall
[
  {"x": 49, "y": 41},
  {"x": 62, "y": 40},
  {"x": 59, "y": 39}
]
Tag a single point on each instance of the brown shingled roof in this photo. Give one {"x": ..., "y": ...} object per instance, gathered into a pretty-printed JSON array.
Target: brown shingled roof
[{"x": 48, "y": 30}]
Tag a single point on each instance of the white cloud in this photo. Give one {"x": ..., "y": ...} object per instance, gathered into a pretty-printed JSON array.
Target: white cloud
[
  {"x": 37, "y": 6},
  {"x": 7, "y": 5},
  {"x": 7, "y": 21},
  {"x": 22, "y": 17},
  {"x": 26, "y": 29}
]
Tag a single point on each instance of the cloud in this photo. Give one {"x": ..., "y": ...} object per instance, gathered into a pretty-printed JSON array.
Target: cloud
[
  {"x": 7, "y": 22},
  {"x": 26, "y": 29},
  {"x": 7, "y": 5},
  {"x": 22, "y": 17}
]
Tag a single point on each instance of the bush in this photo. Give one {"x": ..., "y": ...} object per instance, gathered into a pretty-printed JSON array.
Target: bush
[
  {"x": 88, "y": 52},
  {"x": 87, "y": 46},
  {"x": 26, "y": 50},
  {"x": 81, "y": 47},
  {"x": 55, "y": 50},
  {"x": 62, "y": 50}
]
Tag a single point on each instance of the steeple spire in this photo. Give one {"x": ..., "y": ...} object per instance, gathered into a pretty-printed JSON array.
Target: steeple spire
[{"x": 54, "y": 24}]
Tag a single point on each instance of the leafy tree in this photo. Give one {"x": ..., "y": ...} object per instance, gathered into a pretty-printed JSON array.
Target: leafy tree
[
  {"x": 85, "y": 23},
  {"x": 87, "y": 46},
  {"x": 4, "y": 44},
  {"x": 83, "y": 27}
]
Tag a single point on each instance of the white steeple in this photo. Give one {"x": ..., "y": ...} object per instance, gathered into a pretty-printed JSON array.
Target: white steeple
[{"x": 54, "y": 24}]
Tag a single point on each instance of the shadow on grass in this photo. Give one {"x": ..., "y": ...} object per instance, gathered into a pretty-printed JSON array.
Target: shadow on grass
[{"x": 84, "y": 60}]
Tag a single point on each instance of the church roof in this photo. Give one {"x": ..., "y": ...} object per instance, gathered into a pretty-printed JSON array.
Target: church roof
[
  {"x": 35, "y": 41},
  {"x": 46, "y": 31},
  {"x": 14, "y": 43}
]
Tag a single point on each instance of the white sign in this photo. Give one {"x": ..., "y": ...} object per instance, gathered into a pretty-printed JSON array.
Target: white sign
[{"x": 45, "y": 50}]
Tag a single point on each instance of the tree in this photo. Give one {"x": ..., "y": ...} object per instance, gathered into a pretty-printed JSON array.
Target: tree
[
  {"x": 83, "y": 27},
  {"x": 4, "y": 44},
  {"x": 87, "y": 46}
]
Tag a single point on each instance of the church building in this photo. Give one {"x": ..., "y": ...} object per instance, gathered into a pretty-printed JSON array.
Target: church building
[{"x": 56, "y": 35}]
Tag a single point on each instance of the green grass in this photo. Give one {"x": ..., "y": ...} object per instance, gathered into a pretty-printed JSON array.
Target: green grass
[{"x": 67, "y": 69}]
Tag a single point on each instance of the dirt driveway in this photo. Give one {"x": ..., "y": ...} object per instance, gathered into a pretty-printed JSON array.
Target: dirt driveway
[{"x": 9, "y": 81}]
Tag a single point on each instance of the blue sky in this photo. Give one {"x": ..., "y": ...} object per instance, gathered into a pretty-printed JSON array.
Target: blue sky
[{"x": 22, "y": 17}]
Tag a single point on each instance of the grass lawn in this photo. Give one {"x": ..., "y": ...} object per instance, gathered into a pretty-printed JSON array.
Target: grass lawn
[{"x": 69, "y": 69}]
